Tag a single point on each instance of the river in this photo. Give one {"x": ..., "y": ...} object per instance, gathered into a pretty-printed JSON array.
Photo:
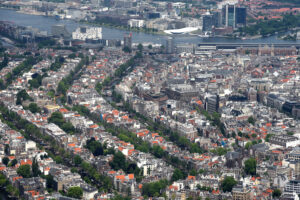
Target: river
[{"x": 44, "y": 23}]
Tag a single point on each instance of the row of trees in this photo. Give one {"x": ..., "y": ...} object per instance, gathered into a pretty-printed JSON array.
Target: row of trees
[
  {"x": 20, "y": 69},
  {"x": 144, "y": 146},
  {"x": 66, "y": 82},
  {"x": 138, "y": 143},
  {"x": 164, "y": 131},
  {"x": 31, "y": 132},
  {"x": 119, "y": 73},
  {"x": 36, "y": 80}
]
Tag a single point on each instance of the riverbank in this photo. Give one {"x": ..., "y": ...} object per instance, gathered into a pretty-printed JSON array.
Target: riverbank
[
  {"x": 120, "y": 27},
  {"x": 125, "y": 28}
]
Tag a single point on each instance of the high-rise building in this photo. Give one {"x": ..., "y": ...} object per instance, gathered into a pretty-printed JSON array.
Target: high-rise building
[
  {"x": 241, "y": 15},
  {"x": 128, "y": 41},
  {"x": 208, "y": 22},
  {"x": 217, "y": 15},
  {"x": 170, "y": 45},
  {"x": 228, "y": 15},
  {"x": 233, "y": 16}
]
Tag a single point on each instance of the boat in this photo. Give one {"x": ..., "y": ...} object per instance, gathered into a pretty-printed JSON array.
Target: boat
[
  {"x": 181, "y": 31},
  {"x": 205, "y": 35}
]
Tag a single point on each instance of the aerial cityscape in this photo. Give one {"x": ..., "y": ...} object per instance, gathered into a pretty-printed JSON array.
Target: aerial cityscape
[{"x": 150, "y": 99}]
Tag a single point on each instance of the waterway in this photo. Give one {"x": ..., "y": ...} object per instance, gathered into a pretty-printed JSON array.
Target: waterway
[{"x": 44, "y": 23}]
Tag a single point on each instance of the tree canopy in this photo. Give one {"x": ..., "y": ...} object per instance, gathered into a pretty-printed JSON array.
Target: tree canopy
[
  {"x": 228, "y": 183},
  {"x": 276, "y": 193},
  {"x": 250, "y": 166},
  {"x": 24, "y": 171},
  {"x": 5, "y": 161},
  {"x": 94, "y": 146},
  {"x": 177, "y": 175},
  {"x": 58, "y": 119},
  {"x": 75, "y": 192},
  {"x": 34, "y": 108},
  {"x": 154, "y": 189}
]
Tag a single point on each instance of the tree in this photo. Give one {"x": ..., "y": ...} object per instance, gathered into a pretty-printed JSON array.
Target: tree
[
  {"x": 68, "y": 128},
  {"x": 56, "y": 118},
  {"x": 3, "y": 180},
  {"x": 24, "y": 171},
  {"x": 6, "y": 149},
  {"x": 233, "y": 134},
  {"x": 34, "y": 108},
  {"x": 251, "y": 120},
  {"x": 193, "y": 172},
  {"x": 77, "y": 160},
  {"x": 75, "y": 192},
  {"x": 72, "y": 56},
  {"x": 140, "y": 47},
  {"x": 50, "y": 183},
  {"x": 250, "y": 166},
  {"x": 127, "y": 49},
  {"x": 149, "y": 46},
  {"x": 35, "y": 168},
  {"x": 2, "y": 85},
  {"x": 5, "y": 161},
  {"x": 228, "y": 183},
  {"x": 240, "y": 134},
  {"x": 248, "y": 145},
  {"x": 268, "y": 137},
  {"x": 290, "y": 133},
  {"x": 13, "y": 162},
  {"x": 276, "y": 193},
  {"x": 158, "y": 151},
  {"x": 177, "y": 175},
  {"x": 58, "y": 159},
  {"x": 220, "y": 151},
  {"x": 94, "y": 146},
  {"x": 154, "y": 188},
  {"x": 22, "y": 96},
  {"x": 118, "y": 161}
]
